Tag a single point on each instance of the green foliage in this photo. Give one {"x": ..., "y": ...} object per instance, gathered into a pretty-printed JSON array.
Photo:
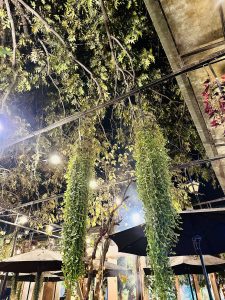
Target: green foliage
[
  {"x": 79, "y": 173},
  {"x": 14, "y": 287},
  {"x": 154, "y": 187},
  {"x": 38, "y": 286}
]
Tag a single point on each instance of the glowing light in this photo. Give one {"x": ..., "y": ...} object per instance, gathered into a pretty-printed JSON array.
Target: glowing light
[
  {"x": 193, "y": 187},
  {"x": 26, "y": 232},
  {"x": 136, "y": 218},
  {"x": 1, "y": 127},
  {"x": 88, "y": 240},
  {"x": 118, "y": 200},
  {"x": 49, "y": 229},
  {"x": 93, "y": 184},
  {"x": 55, "y": 159},
  {"x": 22, "y": 220},
  {"x": 18, "y": 251}
]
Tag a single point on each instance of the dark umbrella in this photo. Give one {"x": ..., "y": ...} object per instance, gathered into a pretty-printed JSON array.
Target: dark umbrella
[
  {"x": 208, "y": 224},
  {"x": 182, "y": 265},
  {"x": 48, "y": 277},
  {"x": 192, "y": 265},
  {"x": 34, "y": 261},
  {"x": 202, "y": 232}
]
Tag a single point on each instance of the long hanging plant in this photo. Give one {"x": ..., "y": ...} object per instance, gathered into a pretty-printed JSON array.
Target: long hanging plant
[
  {"x": 14, "y": 287},
  {"x": 37, "y": 286},
  {"x": 154, "y": 183},
  {"x": 79, "y": 173}
]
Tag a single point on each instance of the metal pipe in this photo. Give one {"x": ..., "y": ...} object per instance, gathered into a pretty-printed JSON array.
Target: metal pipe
[
  {"x": 192, "y": 293},
  {"x": 29, "y": 228},
  {"x": 197, "y": 245}
]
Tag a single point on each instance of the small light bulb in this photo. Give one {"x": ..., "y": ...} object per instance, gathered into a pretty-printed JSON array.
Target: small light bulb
[
  {"x": 55, "y": 159},
  {"x": 49, "y": 229},
  {"x": 23, "y": 220},
  {"x": 93, "y": 184},
  {"x": 118, "y": 200},
  {"x": 18, "y": 251}
]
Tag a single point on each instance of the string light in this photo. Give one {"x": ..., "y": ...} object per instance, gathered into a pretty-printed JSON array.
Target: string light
[
  {"x": 49, "y": 229},
  {"x": 22, "y": 220},
  {"x": 55, "y": 159},
  {"x": 93, "y": 184},
  {"x": 118, "y": 200},
  {"x": 18, "y": 251}
]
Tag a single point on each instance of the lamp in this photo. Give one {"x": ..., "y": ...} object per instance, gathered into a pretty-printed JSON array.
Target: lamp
[{"x": 193, "y": 187}]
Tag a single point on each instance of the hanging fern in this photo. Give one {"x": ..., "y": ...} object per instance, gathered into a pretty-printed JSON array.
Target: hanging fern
[
  {"x": 38, "y": 285},
  {"x": 14, "y": 287},
  {"x": 19, "y": 290},
  {"x": 80, "y": 171},
  {"x": 154, "y": 183}
]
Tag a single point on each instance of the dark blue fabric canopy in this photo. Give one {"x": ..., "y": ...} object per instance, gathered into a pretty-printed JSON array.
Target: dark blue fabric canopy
[{"x": 209, "y": 224}]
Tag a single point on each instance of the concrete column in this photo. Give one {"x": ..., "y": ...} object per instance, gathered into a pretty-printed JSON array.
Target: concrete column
[
  {"x": 145, "y": 291},
  {"x": 197, "y": 287},
  {"x": 177, "y": 285},
  {"x": 212, "y": 277},
  {"x": 49, "y": 290},
  {"x": 112, "y": 284}
]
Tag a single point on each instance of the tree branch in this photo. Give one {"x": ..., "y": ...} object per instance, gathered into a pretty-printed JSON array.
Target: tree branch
[
  {"x": 13, "y": 32},
  {"x": 9, "y": 90},
  {"x": 130, "y": 58},
  {"x": 49, "y": 75}
]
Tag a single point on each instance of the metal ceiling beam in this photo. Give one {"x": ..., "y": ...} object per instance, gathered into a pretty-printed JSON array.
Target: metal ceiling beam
[
  {"x": 29, "y": 228},
  {"x": 188, "y": 68}
]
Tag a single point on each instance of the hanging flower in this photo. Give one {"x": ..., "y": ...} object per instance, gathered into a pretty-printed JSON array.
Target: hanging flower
[{"x": 214, "y": 100}]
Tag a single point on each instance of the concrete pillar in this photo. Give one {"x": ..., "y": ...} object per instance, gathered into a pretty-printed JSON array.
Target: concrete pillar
[
  {"x": 112, "y": 284},
  {"x": 145, "y": 292},
  {"x": 177, "y": 285},
  {"x": 212, "y": 277},
  {"x": 197, "y": 287},
  {"x": 49, "y": 291},
  {"x": 25, "y": 290}
]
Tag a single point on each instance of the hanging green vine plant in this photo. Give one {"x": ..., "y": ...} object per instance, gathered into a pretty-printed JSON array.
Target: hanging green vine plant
[
  {"x": 38, "y": 286},
  {"x": 79, "y": 173},
  {"x": 154, "y": 183},
  {"x": 14, "y": 287}
]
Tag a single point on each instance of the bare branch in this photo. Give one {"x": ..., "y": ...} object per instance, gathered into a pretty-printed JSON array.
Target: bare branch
[
  {"x": 49, "y": 75},
  {"x": 9, "y": 90},
  {"x": 130, "y": 58},
  {"x": 13, "y": 32}
]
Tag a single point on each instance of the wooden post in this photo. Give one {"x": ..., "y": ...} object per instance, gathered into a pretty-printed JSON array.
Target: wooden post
[
  {"x": 145, "y": 292},
  {"x": 112, "y": 284},
  {"x": 197, "y": 287},
  {"x": 177, "y": 284},
  {"x": 50, "y": 291},
  {"x": 212, "y": 277}
]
